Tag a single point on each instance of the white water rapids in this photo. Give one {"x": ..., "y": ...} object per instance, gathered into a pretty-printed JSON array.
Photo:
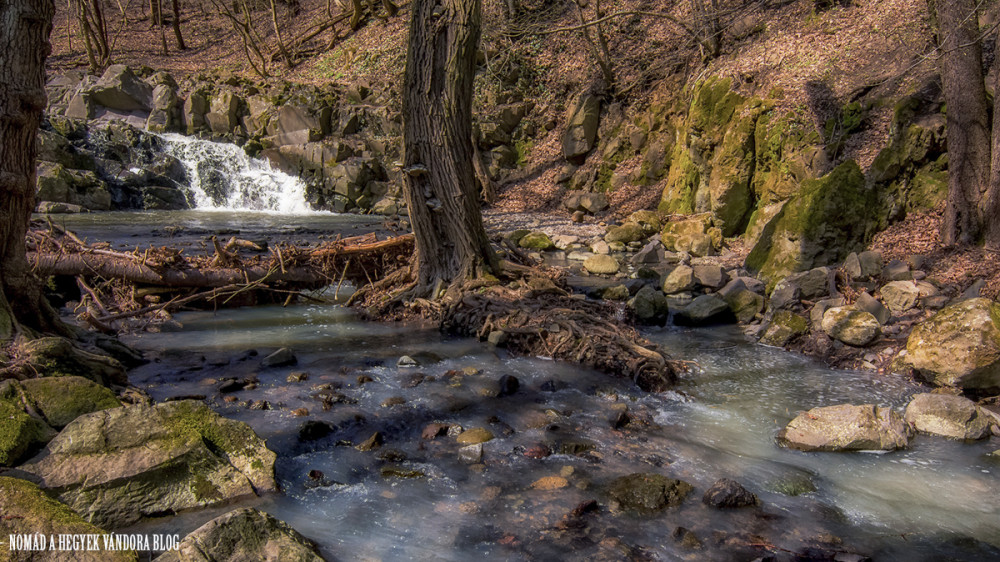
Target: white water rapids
[{"x": 223, "y": 178}]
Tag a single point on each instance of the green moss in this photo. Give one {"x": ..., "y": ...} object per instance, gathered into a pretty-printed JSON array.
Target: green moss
[
  {"x": 683, "y": 182},
  {"x": 19, "y": 432},
  {"x": 536, "y": 241},
  {"x": 188, "y": 418},
  {"x": 63, "y": 399},
  {"x": 204, "y": 490}
]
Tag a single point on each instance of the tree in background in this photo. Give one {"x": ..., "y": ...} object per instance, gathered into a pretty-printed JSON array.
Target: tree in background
[{"x": 25, "y": 26}]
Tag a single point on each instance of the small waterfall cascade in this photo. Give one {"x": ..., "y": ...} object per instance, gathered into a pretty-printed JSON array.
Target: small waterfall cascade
[{"x": 223, "y": 177}]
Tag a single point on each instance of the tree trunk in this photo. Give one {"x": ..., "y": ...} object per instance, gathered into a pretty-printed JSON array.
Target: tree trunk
[
  {"x": 177, "y": 26},
  {"x": 989, "y": 208},
  {"x": 968, "y": 126},
  {"x": 439, "y": 181},
  {"x": 25, "y": 26}
]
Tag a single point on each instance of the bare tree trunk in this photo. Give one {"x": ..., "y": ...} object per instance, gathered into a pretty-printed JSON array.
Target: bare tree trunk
[
  {"x": 25, "y": 26},
  {"x": 277, "y": 33},
  {"x": 968, "y": 126},
  {"x": 439, "y": 181},
  {"x": 163, "y": 33},
  {"x": 177, "y": 26},
  {"x": 989, "y": 208},
  {"x": 600, "y": 55}
]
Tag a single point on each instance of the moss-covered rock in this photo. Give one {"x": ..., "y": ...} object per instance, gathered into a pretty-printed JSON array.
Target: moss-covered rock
[
  {"x": 20, "y": 433},
  {"x": 851, "y": 326},
  {"x": 625, "y": 233},
  {"x": 649, "y": 221},
  {"x": 27, "y": 511},
  {"x": 61, "y": 400},
  {"x": 243, "y": 534},
  {"x": 959, "y": 346},
  {"x": 645, "y": 493},
  {"x": 536, "y": 241},
  {"x": 745, "y": 304},
  {"x": 731, "y": 194},
  {"x": 784, "y": 327},
  {"x": 601, "y": 264},
  {"x": 116, "y": 466},
  {"x": 650, "y": 306},
  {"x": 826, "y": 220}
]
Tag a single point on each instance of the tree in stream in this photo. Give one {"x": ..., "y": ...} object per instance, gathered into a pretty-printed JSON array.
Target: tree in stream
[
  {"x": 439, "y": 183},
  {"x": 25, "y": 26}
]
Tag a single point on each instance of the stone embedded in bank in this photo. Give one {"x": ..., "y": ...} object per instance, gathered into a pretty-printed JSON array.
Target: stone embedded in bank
[{"x": 959, "y": 346}]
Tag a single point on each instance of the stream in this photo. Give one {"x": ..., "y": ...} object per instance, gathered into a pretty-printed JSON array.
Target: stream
[{"x": 560, "y": 434}]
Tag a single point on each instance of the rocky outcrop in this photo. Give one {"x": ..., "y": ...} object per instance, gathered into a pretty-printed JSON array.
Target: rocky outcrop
[
  {"x": 846, "y": 428},
  {"x": 243, "y": 534},
  {"x": 116, "y": 466},
  {"x": 948, "y": 416},
  {"x": 959, "y": 346},
  {"x": 581, "y": 127}
]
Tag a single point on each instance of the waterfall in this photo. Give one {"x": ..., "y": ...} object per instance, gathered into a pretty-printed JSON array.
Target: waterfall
[{"x": 223, "y": 177}]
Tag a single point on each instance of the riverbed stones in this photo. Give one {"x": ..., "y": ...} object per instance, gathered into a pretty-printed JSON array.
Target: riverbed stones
[
  {"x": 726, "y": 493},
  {"x": 959, "y": 346},
  {"x": 601, "y": 264},
  {"x": 705, "y": 310},
  {"x": 645, "y": 493},
  {"x": 475, "y": 436},
  {"x": 851, "y": 326},
  {"x": 948, "y": 416},
  {"x": 650, "y": 306},
  {"x": 280, "y": 358},
  {"x": 900, "y": 296},
  {"x": 243, "y": 534},
  {"x": 27, "y": 510},
  {"x": 846, "y": 427},
  {"x": 784, "y": 327},
  {"x": 679, "y": 280},
  {"x": 116, "y": 466}
]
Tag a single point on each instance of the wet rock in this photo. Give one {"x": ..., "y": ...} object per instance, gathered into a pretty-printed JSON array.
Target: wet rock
[
  {"x": 851, "y": 326},
  {"x": 705, "y": 310},
  {"x": 433, "y": 430},
  {"x": 313, "y": 430},
  {"x": 553, "y": 386},
  {"x": 846, "y": 428},
  {"x": 539, "y": 451},
  {"x": 617, "y": 293},
  {"x": 393, "y": 401},
  {"x": 297, "y": 376},
  {"x": 601, "y": 264},
  {"x": 300, "y": 412},
  {"x": 550, "y": 483},
  {"x": 959, "y": 346},
  {"x": 27, "y": 510},
  {"x": 281, "y": 358},
  {"x": 871, "y": 305},
  {"x": 471, "y": 454},
  {"x": 259, "y": 405},
  {"x": 686, "y": 538},
  {"x": 745, "y": 305},
  {"x": 117, "y": 466},
  {"x": 231, "y": 385},
  {"x": 646, "y": 493},
  {"x": 243, "y": 534},
  {"x": 576, "y": 447},
  {"x": 650, "y": 306},
  {"x": 900, "y": 296},
  {"x": 948, "y": 416},
  {"x": 508, "y": 385},
  {"x": 729, "y": 493},
  {"x": 679, "y": 280},
  {"x": 400, "y": 471},
  {"x": 372, "y": 443},
  {"x": 407, "y": 361},
  {"x": 474, "y": 435}
]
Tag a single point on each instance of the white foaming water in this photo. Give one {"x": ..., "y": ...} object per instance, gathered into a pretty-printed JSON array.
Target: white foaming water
[{"x": 224, "y": 178}]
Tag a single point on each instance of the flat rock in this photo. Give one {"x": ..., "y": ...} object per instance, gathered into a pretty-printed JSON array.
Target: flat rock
[
  {"x": 846, "y": 428},
  {"x": 601, "y": 264},
  {"x": 948, "y": 415},
  {"x": 244, "y": 534}
]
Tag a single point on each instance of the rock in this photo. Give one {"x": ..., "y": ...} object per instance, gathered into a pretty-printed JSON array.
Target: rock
[
  {"x": 649, "y": 221},
  {"x": 651, "y": 253},
  {"x": 705, "y": 310},
  {"x": 745, "y": 305},
  {"x": 900, "y": 296},
  {"x": 846, "y": 428},
  {"x": 58, "y": 357},
  {"x": 157, "y": 198},
  {"x": 851, "y": 326},
  {"x": 193, "y": 112},
  {"x": 625, "y": 233},
  {"x": 711, "y": 276},
  {"x": 61, "y": 400},
  {"x": 897, "y": 270},
  {"x": 785, "y": 294},
  {"x": 371, "y": 443},
  {"x": 474, "y": 436},
  {"x": 116, "y": 466},
  {"x": 650, "y": 306},
  {"x": 852, "y": 266},
  {"x": 536, "y": 241},
  {"x": 819, "y": 309},
  {"x": 870, "y": 305},
  {"x": 224, "y": 109},
  {"x": 729, "y": 493},
  {"x": 314, "y": 430},
  {"x": 698, "y": 245},
  {"x": 959, "y": 346},
  {"x": 550, "y": 483},
  {"x": 679, "y": 280},
  {"x": 601, "y": 264},
  {"x": 281, "y": 358},
  {"x": 508, "y": 385},
  {"x": 785, "y": 326},
  {"x": 471, "y": 454},
  {"x": 948, "y": 416},
  {"x": 165, "y": 114},
  {"x": 29, "y": 511},
  {"x": 119, "y": 88},
  {"x": 616, "y": 293},
  {"x": 581, "y": 127},
  {"x": 871, "y": 264},
  {"x": 645, "y": 493},
  {"x": 20, "y": 433},
  {"x": 54, "y": 208},
  {"x": 600, "y": 247},
  {"x": 243, "y": 534}
]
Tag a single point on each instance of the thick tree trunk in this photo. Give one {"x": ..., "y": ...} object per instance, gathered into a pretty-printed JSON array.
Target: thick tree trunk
[
  {"x": 439, "y": 183},
  {"x": 177, "y": 26},
  {"x": 968, "y": 126},
  {"x": 989, "y": 208},
  {"x": 25, "y": 26}
]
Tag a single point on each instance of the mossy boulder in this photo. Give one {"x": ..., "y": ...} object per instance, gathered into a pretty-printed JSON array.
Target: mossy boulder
[
  {"x": 625, "y": 233},
  {"x": 20, "y": 432},
  {"x": 58, "y": 357},
  {"x": 649, "y": 221},
  {"x": 745, "y": 304},
  {"x": 730, "y": 191},
  {"x": 645, "y": 493},
  {"x": 61, "y": 400},
  {"x": 959, "y": 346},
  {"x": 851, "y": 326},
  {"x": 536, "y": 241},
  {"x": 244, "y": 534},
  {"x": 948, "y": 415},
  {"x": 821, "y": 224},
  {"x": 650, "y": 306},
  {"x": 846, "y": 428},
  {"x": 116, "y": 466},
  {"x": 27, "y": 511},
  {"x": 601, "y": 264},
  {"x": 785, "y": 326}
]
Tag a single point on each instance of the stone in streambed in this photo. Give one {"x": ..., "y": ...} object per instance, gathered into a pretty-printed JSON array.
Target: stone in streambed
[
  {"x": 474, "y": 436},
  {"x": 948, "y": 416},
  {"x": 281, "y": 358},
  {"x": 846, "y": 428},
  {"x": 679, "y": 280},
  {"x": 601, "y": 264},
  {"x": 536, "y": 241},
  {"x": 729, "y": 493},
  {"x": 650, "y": 306},
  {"x": 785, "y": 326},
  {"x": 851, "y": 326},
  {"x": 244, "y": 534},
  {"x": 704, "y": 311},
  {"x": 959, "y": 346},
  {"x": 645, "y": 493}
]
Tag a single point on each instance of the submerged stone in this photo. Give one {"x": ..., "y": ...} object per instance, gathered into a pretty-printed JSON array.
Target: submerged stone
[
  {"x": 645, "y": 493},
  {"x": 729, "y": 493}
]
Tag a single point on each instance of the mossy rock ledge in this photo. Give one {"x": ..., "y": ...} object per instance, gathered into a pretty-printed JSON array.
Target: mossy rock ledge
[
  {"x": 243, "y": 534},
  {"x": 116, "y": 466}
]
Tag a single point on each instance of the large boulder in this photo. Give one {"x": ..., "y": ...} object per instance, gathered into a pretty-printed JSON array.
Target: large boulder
[
  {"x": 581, "y": 127},
  {"x": 959, "y": 346},
  {"x": 120, "y": 89},
  {"x": 821, "y": 224},
  {"x": 60, "y": 400},
  {"x": 116, "y": 466},
  {"x": 851, "y": 326},
  {"x": 243, "y": 534},
  {"x": 650, "y": 306},
  {"x": 948, "y": 416},
  {"x": 846, "y": 428},
  {"x": 705, "y": 310},
  {"x": 28, "y": 511},
  {"x": 20, "y": 433}
]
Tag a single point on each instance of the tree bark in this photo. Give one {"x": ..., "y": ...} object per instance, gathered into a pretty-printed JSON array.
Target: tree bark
[
  {"x": 25, "y": 26},
  {"x": 177, "y": 26},
  {"x": 968, "y": 127},
  {"x": 989, "y": 208},
  {"x": 439, "y": 181}
]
